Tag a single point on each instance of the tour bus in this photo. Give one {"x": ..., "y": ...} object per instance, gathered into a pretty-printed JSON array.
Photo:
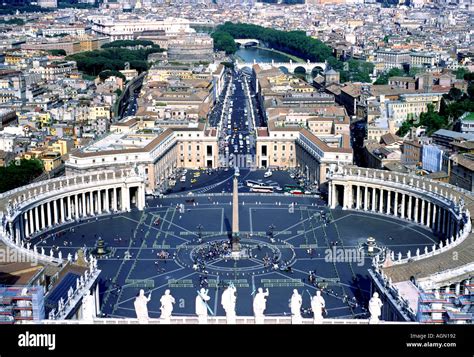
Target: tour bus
[
  {"x": 262, "y": 189},
  {"x": 251, "y": 183},
  {"x": 294, "y": 189}
]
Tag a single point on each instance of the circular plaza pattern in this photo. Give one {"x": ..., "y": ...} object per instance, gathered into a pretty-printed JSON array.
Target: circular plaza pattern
[{"x": 162, "y": 248}]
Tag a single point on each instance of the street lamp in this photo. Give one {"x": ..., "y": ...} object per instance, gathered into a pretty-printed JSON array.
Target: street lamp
[{"x": 199, "y": 228}]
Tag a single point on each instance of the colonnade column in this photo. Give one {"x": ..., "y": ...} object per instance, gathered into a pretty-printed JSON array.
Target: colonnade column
[
  {"x": 374, "y": 190},
  {"x": 99, "y": 202},
  {"x": 27, "y": 228},
  {"x": 366, "y": 198},
  {"x": 76, "y": 206},
  {"x": 114, "y": 200},
  {"x": 107, "y": 202},
  {"x": 84, "y": 205},
  {"x": 61, "y": 207},
  {"x": 381, "y": 201},
  {"x": 55, "y": 211},
  {"x": 126, "y": 199},
  {"x": 416, "y": 210},
  {"x": 389, "y": 198},
  {"x": 402, "y": 213},
  {"x": 47, "y": 205},
  {"x": 409, "y": 216},
  {"x": 31, "y": 221},
  {"x": 429, "y": 218},
  {"x": 395, "y": 205},
  {"x": 422, "y": 215},
  {"x": 37, "y": 225},
  {"x": 357, "y": 197}
]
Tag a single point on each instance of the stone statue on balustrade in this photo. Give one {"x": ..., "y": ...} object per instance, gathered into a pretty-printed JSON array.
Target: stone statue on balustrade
[
  {"x": 295, "y": 306},
  {"x": 141, "y": 308},
  {"x": 259, "y": 305},
  {"x": 88, "y": 308},
  {"x": 201, "y": 305},
  {"x": 318, "y": 305},
  {"x": 375, "y": 309},
  {"x": 167, "y": 301},
  {"x": 228, "y": 302}
]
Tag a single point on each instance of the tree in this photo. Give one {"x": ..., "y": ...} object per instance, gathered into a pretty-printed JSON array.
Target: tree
[
  {"x": 455, "y": 93},
  {"x": 461, "y": 72},
  {"x": 224, "y": 42},
  {"x": 295, "y": 43},
  {"x": 113, "y": 59},
  {"x": 19, "y": 173},
  {"x": 109, "y": 73},
  {"x": 432, "y": 120},
  {"x": 405, "y": 127},
  {"x": 59, "y": 52},
  {"x": 394, "y": 72},
  {"x": 129, "y": 43}
]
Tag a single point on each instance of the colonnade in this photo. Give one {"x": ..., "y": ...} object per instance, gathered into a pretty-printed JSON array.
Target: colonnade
[
  {"x": 52, "y": 208},
  {"x": 416, "y": 207}
]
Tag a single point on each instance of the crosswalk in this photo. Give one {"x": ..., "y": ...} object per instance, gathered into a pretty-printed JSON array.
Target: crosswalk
[{"x": 208, "y": 188}]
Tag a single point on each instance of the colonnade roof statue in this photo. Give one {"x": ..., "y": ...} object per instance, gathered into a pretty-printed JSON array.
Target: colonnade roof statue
[
  {"x": 228, "y": 301},
  {"x": 167, "y": 301},
  {"x": 88, "y": 307},
  {"x": 295, "y": 306},
  {"x": 318, "y": 305},
  {"x": 260, "y": 304},
  {"x": 201, "y": 304},
  {"x": 141, "y": 308},
  {"x": 375, "y": 308}
]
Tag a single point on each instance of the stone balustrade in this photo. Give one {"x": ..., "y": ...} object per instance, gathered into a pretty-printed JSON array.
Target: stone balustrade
[{"x": 32, "y": 210}]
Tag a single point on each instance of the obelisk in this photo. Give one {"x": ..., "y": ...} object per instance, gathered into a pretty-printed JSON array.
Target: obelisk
[{"x": 235, "y": 213}]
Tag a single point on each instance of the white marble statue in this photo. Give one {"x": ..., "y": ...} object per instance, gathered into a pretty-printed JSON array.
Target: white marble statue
[
  {"x": 201, "y": 305},
  {"x": 259, "y": 305},
  {"x": 88, "y": 308},
  {"x": 141, "y": 308},
  {"x": 317, "y": 305},
  {"x": 25, "y": 304},
  {"x": 166, "y": 308},
  {"x": 295, "y": 306},
  {"x": 228, "y": 301},
  {"x": 375, "y": 309}
]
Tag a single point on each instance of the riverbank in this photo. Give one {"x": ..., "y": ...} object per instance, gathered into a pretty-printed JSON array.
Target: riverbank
[
  {"x": 270, "y": 53},
  {"x": 293, "y": 58}
]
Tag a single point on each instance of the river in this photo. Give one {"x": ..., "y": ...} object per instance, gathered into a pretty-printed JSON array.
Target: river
[{"x": 248, "y": 54}]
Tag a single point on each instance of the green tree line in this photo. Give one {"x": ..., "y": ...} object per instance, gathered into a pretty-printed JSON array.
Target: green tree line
[
  {"x": 295, "y": 43},
  {"x": 114, "y": 59},
  {"x": 20, "y": 173},
  {"x": 452, "y": 106},
  {"x": 130, "y": 43}
]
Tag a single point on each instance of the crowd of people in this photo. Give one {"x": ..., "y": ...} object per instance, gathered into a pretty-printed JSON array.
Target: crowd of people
[{"x": 213, "y": 250}]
